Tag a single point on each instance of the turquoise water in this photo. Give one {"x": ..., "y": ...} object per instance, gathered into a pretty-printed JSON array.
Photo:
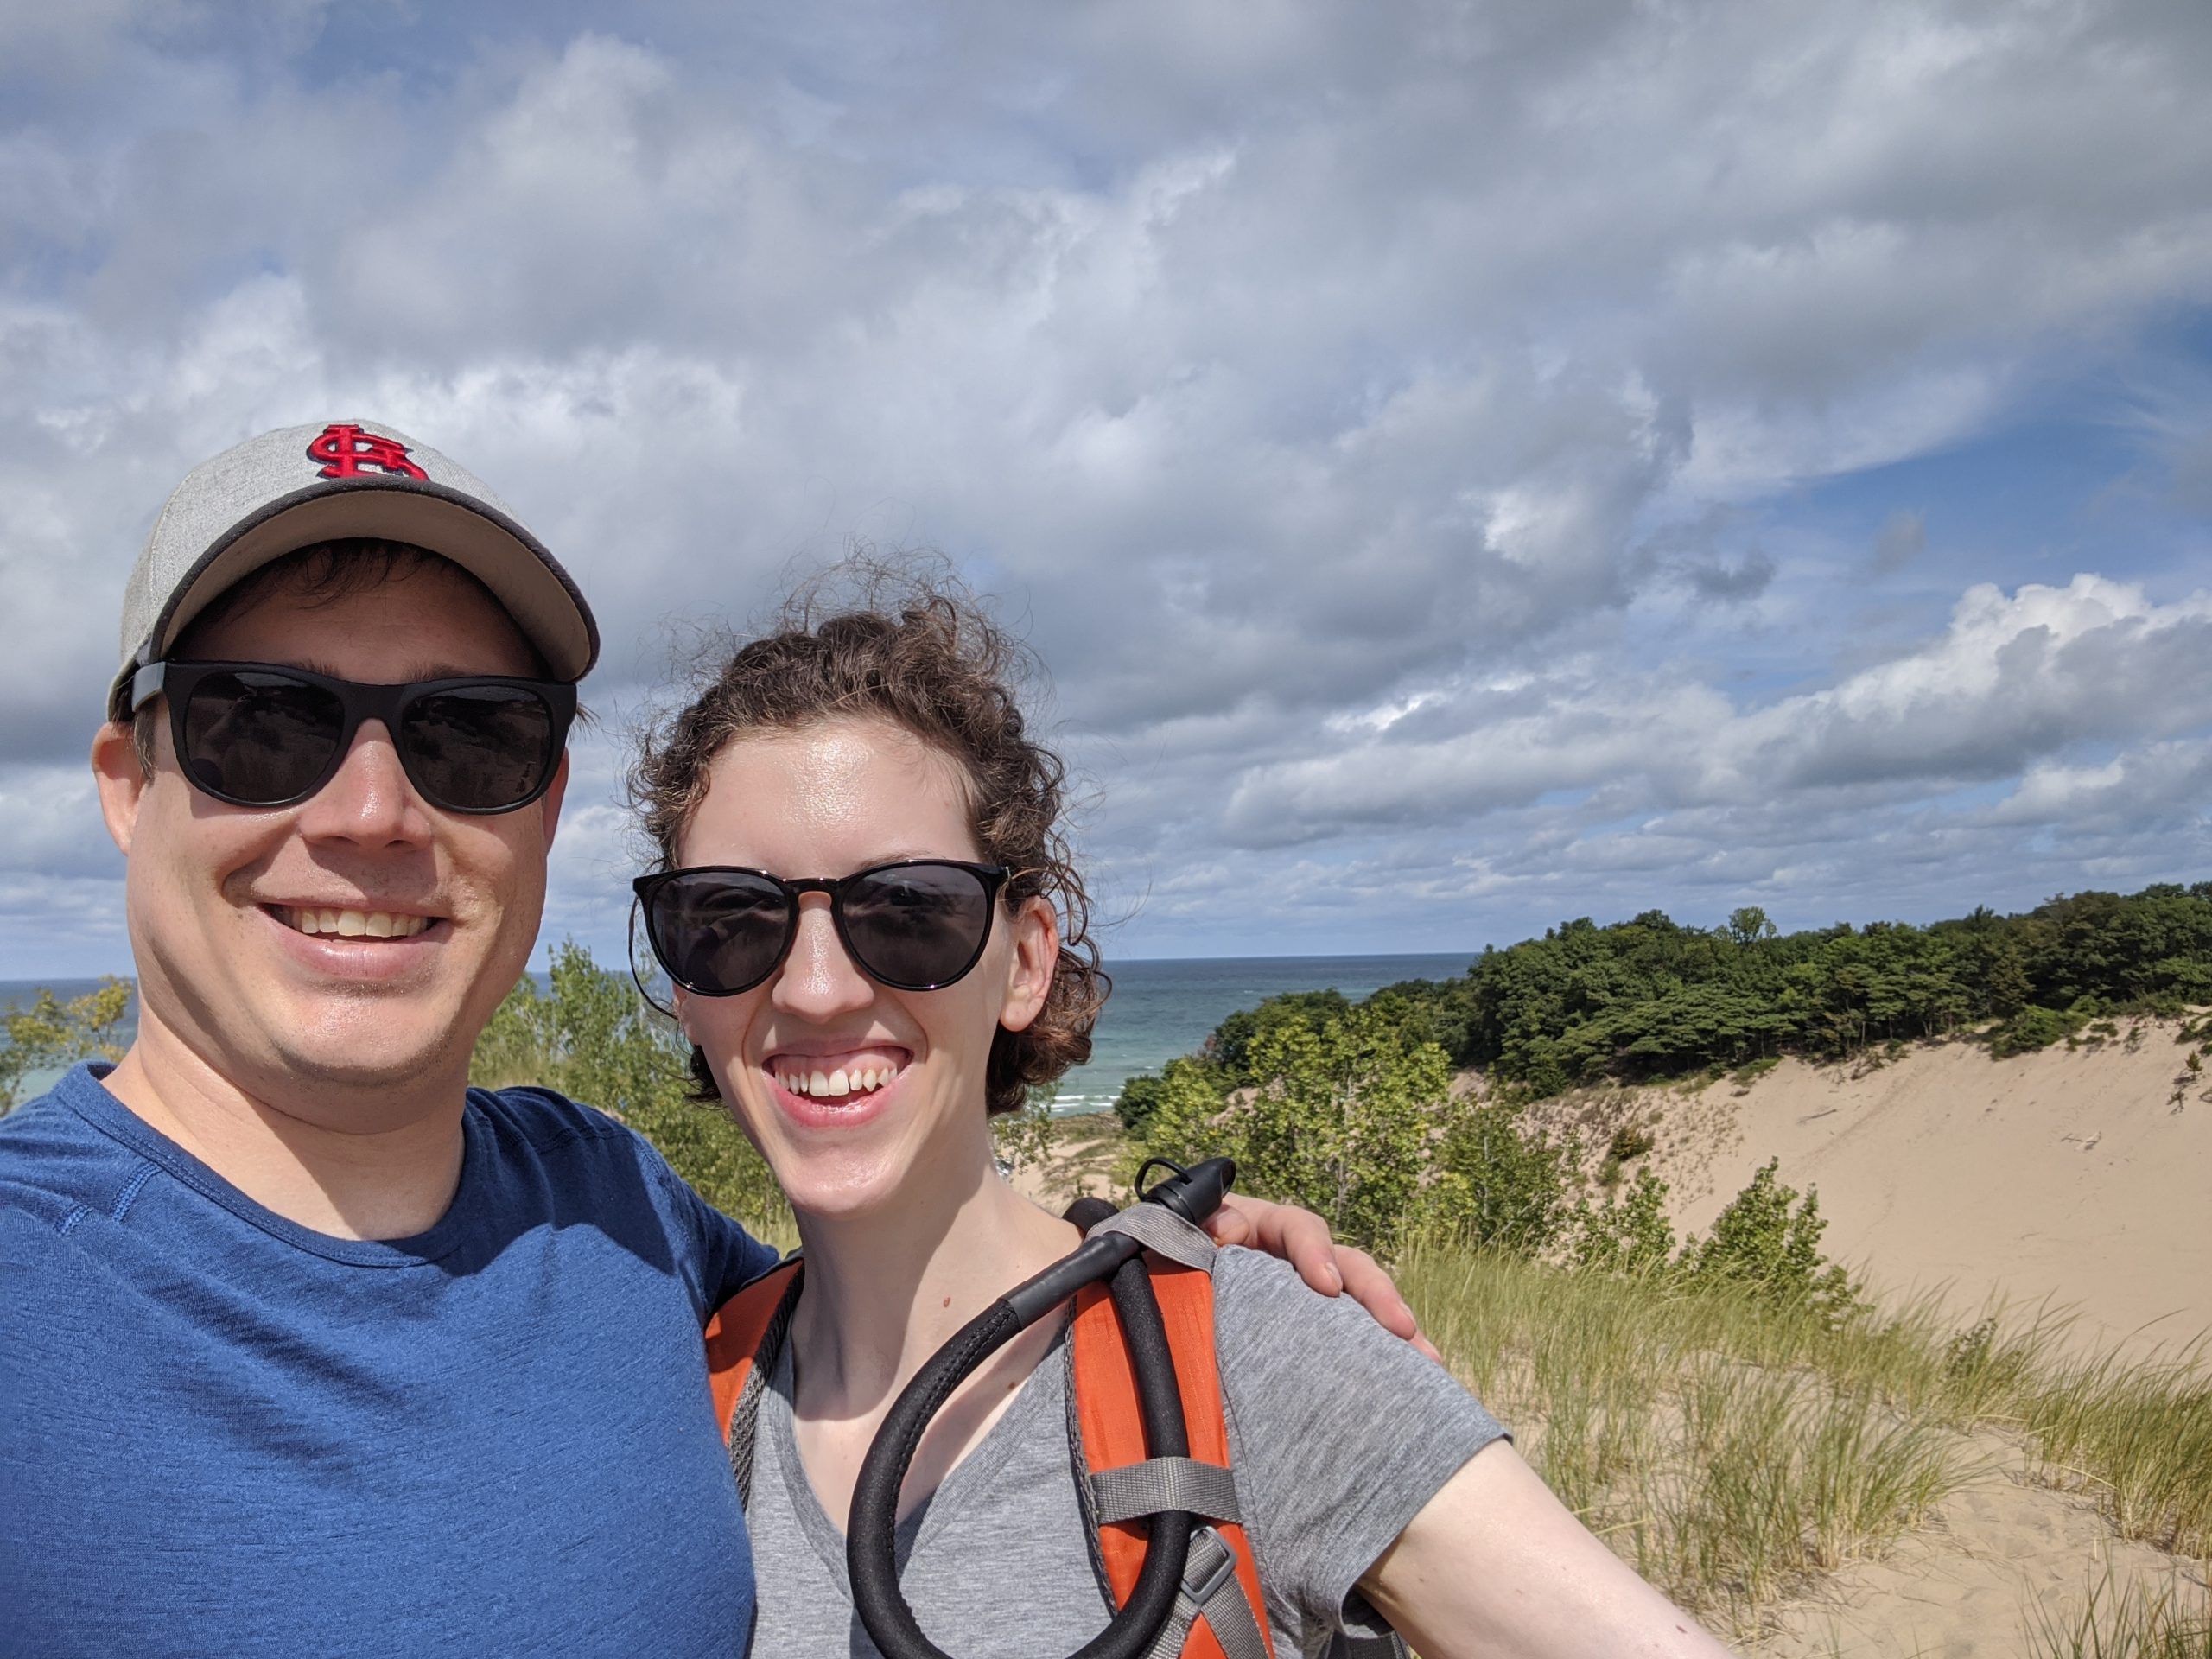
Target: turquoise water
[{"x": 1158, "y": 1009}]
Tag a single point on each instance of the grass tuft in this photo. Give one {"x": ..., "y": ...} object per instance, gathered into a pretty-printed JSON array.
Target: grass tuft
[
  {"x": 2172, "y": 1621},
  {"x": 1730, "y": 1446}
]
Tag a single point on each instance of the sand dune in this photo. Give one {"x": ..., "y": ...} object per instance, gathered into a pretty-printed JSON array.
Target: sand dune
[{"x": 2072, "y": 1175}]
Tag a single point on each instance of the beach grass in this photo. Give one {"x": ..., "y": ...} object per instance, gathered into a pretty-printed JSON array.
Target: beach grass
[
  {"x": 2139, "y": 1621},
  {"x": 1731, "y": 1449}
]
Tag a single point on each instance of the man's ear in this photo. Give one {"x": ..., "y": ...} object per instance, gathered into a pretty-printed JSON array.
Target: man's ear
[
  {"x": 1036, "y": 929},
  {"x": 122, "y": 779}
]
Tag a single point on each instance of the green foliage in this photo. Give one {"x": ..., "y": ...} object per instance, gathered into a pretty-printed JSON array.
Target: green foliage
[
  {"x": 2030, "y": 1029},
  {"x": 592, "y": 1038},
  {"x": 1498, "y": 1184},
  {"x": 1139, "y": 1099},
  {"x": 1770, "y": 1244},
  {"x": 1649, "y": 998},
  {"x": 53, "y": 1032},
  {"x": 1629, "y": 1234},
  {"x": 1338, "y": 1117},
  {"x": 1630, "y": 1142},
  {"x": 1024, "y": 1140}
]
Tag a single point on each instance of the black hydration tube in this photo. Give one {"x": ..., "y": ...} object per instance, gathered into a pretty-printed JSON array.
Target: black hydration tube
[{"x": 870, "y": 1546}]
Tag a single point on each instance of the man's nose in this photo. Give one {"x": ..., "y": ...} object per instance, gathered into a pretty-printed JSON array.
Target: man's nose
[
  {"x": 818, "y": 979},
  {"x": 369, "y": 799}
]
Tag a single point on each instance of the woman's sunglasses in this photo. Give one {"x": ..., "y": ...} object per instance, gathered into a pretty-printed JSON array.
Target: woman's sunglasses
[
  {"x": 257, "y": 734},
  {"x": 916, "y": 926}
]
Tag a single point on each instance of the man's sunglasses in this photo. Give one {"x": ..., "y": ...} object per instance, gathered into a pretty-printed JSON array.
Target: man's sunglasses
[
  {"x": 257, "y": 734},
  {"x": 916, "y": 926}
]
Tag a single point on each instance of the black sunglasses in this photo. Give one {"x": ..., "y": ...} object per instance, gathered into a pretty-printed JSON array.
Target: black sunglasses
[
  {"x": 258, "y": 734},
  {"x": 914, "y": 926}
]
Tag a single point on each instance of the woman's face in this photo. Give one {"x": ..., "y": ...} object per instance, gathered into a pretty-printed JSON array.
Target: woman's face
[{"x": 827, "y": 800}]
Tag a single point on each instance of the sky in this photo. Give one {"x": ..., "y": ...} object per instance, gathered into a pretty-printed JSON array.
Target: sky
[{"x": 1460, "y": 467}]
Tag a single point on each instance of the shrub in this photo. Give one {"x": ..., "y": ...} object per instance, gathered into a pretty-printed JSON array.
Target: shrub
[
  {"x": 2031, "y": 1029},
  {"x": 1498, "y": 1184},
  {"x": 53, "y": 1032},
  {"x": 1629, "y": 1234},
  {"x": 1139, "y": 1099},
  {"x": 1338, "y": 1117},
  {"x": 1767, "y": 1244},
  {"x": 1630, "y": 1142}
]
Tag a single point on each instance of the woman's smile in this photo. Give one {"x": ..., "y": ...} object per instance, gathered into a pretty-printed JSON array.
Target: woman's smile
[{"x": 836, "y": 1088}]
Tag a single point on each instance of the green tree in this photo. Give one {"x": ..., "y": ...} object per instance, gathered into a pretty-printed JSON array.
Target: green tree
[
  {"x": 1339, "y": 1118},
  {"x": 1498, "y": 1184},
  {"x": 51, "y": 1032}
]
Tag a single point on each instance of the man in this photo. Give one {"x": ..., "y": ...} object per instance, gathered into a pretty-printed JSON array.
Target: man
[{"x": 306, "y": 1349}]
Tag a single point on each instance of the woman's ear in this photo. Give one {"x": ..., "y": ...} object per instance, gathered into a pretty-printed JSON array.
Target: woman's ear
[{"x": 1036, "y": 930}]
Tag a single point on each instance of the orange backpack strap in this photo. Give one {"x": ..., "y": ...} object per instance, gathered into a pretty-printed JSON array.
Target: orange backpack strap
[
  {"x": 743, "y": 1339},
  {"x": 1220, "y": 1613}
]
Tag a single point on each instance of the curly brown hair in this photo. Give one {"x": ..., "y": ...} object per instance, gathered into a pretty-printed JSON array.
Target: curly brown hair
[{"x": 920, "y": 652}]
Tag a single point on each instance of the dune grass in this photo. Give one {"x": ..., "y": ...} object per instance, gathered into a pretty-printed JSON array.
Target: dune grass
[
  {"x": 1729, "y": 1448},
  {"x": 2171, "y": 1621}
]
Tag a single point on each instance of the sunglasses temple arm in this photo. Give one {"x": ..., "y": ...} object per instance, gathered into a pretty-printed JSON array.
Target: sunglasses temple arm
[{"x": 636, "y": 978}]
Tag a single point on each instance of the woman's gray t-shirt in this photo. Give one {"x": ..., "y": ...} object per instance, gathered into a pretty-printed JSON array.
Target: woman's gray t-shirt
[{"x": 1338, "y": 1434}]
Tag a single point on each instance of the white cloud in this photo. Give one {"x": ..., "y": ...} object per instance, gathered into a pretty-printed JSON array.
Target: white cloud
[{"x": 1382, "y": 421}]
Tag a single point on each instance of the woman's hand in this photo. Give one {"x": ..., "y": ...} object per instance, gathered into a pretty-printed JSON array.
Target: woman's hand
[{"x": 1302, "y": 1238}]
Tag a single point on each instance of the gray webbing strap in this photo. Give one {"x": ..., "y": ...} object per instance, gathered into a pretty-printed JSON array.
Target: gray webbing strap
[
  {"x": 1211, "y": 1588},
  {"x": 1343, "y": 1645},
  {"x": 1158, "y": 1228},
  {"x": 744, "y": 1417},
  {"x": 1161, "y": 1483}
]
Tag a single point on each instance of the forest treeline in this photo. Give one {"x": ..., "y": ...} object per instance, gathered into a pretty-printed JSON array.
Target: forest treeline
[{"x": 1651, "y": 998}]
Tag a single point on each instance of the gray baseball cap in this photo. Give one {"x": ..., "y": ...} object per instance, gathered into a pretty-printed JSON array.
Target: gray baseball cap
[{"x": 291, "y": 489}]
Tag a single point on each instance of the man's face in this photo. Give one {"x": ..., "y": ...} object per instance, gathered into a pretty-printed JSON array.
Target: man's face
[{"x": 225, "y": 902}]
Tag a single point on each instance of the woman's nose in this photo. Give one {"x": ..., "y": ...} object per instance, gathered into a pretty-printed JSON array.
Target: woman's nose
[{"x": 818, "y": 978}]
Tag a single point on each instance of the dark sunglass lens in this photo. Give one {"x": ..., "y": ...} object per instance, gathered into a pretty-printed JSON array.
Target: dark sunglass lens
[
  {"x": 477, "y": 749},
  {"x": 719, "y": 932},
  {"x": 259, "y": 737},
  {"x": 918, "y": 925}
]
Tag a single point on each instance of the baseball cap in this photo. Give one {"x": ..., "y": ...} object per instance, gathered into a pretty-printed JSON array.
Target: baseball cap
[{"x": 302, "y": 485}]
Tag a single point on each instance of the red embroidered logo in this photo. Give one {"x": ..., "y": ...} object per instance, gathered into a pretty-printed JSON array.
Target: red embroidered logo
[{"x": 346, "y": 451}]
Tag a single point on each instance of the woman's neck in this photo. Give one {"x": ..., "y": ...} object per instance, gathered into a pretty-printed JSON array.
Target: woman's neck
[
  {"x": 887, "y": 1288},
  {"x": 884, "y": 1291}
]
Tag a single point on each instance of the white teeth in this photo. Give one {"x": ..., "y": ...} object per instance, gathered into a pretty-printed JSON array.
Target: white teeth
[
  {"x": 355, "y": 924},
  {"x": 835, "y": 1084}
]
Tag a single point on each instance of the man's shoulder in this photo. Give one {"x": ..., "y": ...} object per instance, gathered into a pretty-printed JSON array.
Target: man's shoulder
[
  {"x": 531, "y": 1124},
  {"x": 54, "y": 1158}
]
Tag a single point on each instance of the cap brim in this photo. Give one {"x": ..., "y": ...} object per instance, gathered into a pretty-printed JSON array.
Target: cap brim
[{"x": 499, "y": 552}]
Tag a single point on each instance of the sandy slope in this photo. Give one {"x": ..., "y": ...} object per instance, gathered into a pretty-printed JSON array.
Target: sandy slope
[
  {"x": 2067, "y": 1175},
  {"x": 1997, "y": 1559}
]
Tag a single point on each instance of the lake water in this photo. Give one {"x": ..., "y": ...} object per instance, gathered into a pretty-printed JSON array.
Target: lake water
[{"x": 1158, "y": 1009}]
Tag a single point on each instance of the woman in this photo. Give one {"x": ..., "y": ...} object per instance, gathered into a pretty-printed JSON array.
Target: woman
[{"x": 853, "y": 807}]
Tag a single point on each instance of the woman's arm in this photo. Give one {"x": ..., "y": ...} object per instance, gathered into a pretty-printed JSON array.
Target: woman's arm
[{"x": 1495, "y": 1565}]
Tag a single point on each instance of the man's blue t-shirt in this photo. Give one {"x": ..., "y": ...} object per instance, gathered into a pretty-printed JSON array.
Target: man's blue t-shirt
[{"x": 221, "y": 1432}]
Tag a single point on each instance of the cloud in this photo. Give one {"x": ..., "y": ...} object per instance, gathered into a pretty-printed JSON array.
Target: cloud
[{"x": 1401, "y": 433}]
